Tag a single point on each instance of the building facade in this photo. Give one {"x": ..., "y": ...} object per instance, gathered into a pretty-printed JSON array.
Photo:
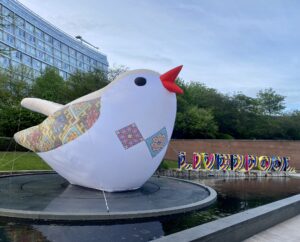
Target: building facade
[{"x": 26, "y": 38}]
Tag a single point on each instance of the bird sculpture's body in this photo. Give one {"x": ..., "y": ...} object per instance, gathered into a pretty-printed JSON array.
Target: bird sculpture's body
[{"x": 113, "y": 139}]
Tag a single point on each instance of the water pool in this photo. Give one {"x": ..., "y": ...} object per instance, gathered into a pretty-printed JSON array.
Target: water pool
[{"x": 234, "y": 195}]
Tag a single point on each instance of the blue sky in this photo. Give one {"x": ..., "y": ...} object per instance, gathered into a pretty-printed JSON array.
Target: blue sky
[{"x": 228, "y": 45}]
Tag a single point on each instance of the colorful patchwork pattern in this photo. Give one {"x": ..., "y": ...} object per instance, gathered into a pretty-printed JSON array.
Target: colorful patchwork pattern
[
  {"x": 157, "y": 142},
  {"x": 60, "y": 128},
  {"x": 129, "y": 136}
]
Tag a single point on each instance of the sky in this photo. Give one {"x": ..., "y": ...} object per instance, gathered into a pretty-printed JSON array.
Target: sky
[{"x": 233, "y": 46}]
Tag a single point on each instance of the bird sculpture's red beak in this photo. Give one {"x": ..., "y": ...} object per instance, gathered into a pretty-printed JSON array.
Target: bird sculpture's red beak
[{"x": 168, "y": 80}]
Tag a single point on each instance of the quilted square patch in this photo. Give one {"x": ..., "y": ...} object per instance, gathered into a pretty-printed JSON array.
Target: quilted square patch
[
  {"x": 157, "y": 142},
  {"x": 129, "y": 136}
]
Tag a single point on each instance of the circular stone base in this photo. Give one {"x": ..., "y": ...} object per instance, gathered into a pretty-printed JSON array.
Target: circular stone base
[{"x": 51, "y": 197}]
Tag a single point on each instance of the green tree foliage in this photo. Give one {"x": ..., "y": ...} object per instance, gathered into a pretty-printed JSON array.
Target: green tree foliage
[
  {"x": 270, "y": 102},
  {"x": 82, "y": 83},
  {"x": 238, "y": 116},
  {"x": 194, "y": 123},
  {"x": 50, "y": 86},
  {"x": 202, "y": 112},
  {"x": 18, "y": 83},
  {"x": 14, "y": 86}
]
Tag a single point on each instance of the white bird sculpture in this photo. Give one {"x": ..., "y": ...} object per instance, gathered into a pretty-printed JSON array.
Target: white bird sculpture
[{"x": 112, "y": 139}]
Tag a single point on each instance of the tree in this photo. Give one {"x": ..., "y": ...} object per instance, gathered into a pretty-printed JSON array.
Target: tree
[
  {"x": 82, "y": 83},
  {"x": 50, "y": 86},
  {"x": 115, "y": 71},
  {"x": 14, "y": 86},
  {"x": 246, "y": 104},
  {"x": 195, "y": 123},
  {"x": 203, "y": 97},
  {"x": 270, "y": 102}
]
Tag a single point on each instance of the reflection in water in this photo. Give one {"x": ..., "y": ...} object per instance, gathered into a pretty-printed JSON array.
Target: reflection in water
[
  {"x": 120, "y": 232},
  {"x": 234, "y": 195},
  {"x": 64, "y": 233}
]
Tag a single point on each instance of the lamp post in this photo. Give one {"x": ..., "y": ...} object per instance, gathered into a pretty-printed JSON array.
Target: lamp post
[{"x": 86, "y": 42}]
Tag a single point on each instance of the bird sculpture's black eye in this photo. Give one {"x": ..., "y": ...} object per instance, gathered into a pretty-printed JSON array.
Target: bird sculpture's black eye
[{"x": 140, "y": 81}]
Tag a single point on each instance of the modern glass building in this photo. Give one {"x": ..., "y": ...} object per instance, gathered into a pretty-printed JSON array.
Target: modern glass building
[{"x": 34, "y": 42}]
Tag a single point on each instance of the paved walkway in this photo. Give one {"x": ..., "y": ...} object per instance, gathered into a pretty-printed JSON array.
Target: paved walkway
[{"x": 288, "y": 231}]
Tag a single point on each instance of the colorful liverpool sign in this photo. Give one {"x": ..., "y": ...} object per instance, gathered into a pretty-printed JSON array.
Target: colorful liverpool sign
[{"x": 234, "y": 162}]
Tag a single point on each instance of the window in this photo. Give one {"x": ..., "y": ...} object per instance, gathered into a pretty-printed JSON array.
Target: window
[
  {"x": 4, "y": 61},
  {"x": 36, "y": 73},
  {"x": 79, "y": 56},
  {"x": 49, "y": 59},
  {"x": 30, "y": 38},
  {"x": 48, "y": 38},
  {"x": 40, "y": 44},
  {"x": 29, "y": 27},
  {"x": 65, "y": 57},
  {"x": 65, "y": 66},
  {"x": 19, "y": 22},
  {"x": 86, "y": 67},
  {"x": 56, "y": 43},
  {"x": 9, "y": 15},
  {"x": 30, "y": 50},
  {"x": 8, "y": 26},
  {"x": 17, "y": 55},
  {"x": 5, "y": 11},
  {"x": 39, "y": 33},
  {"x": 20, "y": 45},
  {"x": 72, "y": 69},
  {"x": 41, "y": 55},
  {"x": 72, "y": 61},
  {"x": 64, "y": 48},
  {"x": 48, "y": 49},
  {"x": 27, "y": 60},
  {"x": 36, "y": 64},
  {"x": 9, "y": 39},
  {"x": 44, "y": 66},
  {"x": 57, "y": 63},
  {"x": 80, "y": 64},
  {"x": 99, "y": 64},
  {"x": 14, "y": 63},
  {"x": 20, "y": 33},
  {"x": 86, "y": 59},
  {"x": 5, "y": 48},
  {"x": 57, "y": 54},
  {"x": 72, "y": 52}
]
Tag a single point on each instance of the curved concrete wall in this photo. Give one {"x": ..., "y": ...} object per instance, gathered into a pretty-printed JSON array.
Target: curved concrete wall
[{"x": 253, "y": 147}]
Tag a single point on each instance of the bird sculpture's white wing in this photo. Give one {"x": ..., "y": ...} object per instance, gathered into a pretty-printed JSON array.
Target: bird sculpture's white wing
[
  {"x": 61, "y": 127},
  {"x": 41, "y": 106}
]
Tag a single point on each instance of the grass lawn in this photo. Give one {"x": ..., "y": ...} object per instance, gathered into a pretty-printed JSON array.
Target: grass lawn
[
  {"x": 22, "y": 161},
  {"x": 168, "y": 164},
  {"x": 30, "y": 161}
]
